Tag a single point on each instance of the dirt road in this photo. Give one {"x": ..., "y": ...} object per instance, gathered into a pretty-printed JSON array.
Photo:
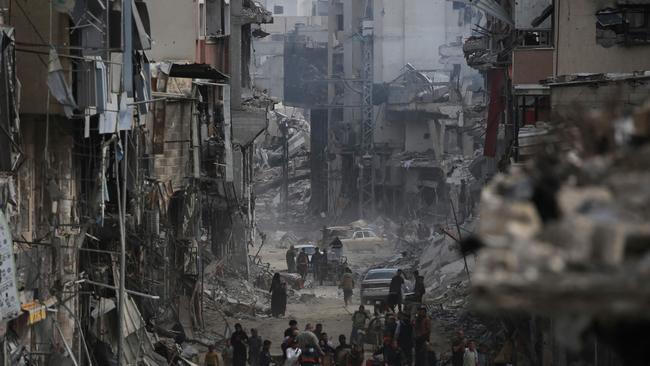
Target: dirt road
[{"x": 326, "y": 307}]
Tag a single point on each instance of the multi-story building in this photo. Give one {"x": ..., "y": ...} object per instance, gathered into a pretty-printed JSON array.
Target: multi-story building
[
  {"x": 123, "y": 158},
  {"x": 423, "y": 99}
]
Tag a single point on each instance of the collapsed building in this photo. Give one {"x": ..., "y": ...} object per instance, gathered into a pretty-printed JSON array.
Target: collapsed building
[
  {"x": 126, "y": 163},
  {"x": 394, "y": 151}
]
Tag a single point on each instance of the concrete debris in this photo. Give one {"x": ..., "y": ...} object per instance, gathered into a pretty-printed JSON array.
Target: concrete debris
[{"x": 567, "y": 230}]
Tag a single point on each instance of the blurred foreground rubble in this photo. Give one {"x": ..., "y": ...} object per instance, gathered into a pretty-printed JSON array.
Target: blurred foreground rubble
[{"x": 567, "y": 237}]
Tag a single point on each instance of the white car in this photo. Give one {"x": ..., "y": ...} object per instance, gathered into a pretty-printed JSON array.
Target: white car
[{"x": 363, "y": 240}]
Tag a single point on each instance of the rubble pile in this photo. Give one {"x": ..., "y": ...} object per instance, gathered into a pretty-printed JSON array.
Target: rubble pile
[
  {"x": 569, "y": 227},
  {"x": 567, "y": 235},
  {"x": 233, "y": 293}
]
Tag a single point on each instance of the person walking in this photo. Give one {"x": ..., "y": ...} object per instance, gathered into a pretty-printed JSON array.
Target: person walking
[
  {"x": 284, "y": 294},
  {"x": 292, "y": 354},
  {"x": 276, "y": 295},
  {"x": 291, "y": 259},
  {"x": 323, "y": 267},
  {"x": 303, "y": 264},
  {"x": 390, "y": 327},
  {"x": 470, "y": 356},
  {"x": 458, "y": 345},
  {"x": 419, "y": 289},
  {"x": 238, "y": 340},
  {"x": 342, "y": 351},
  {"x": 310, "y": 355},
  {"x": 315, "y": 265},
  {"x": 359, "y": 319},
  {"x": 254, "y": 348},
  {"x": 226, "y": 354},
  {"x": 265, "y": 354},
  {"x": 422, "y": 329},
  {"x": 395, "y": 291},
  {"x": 212, "y": 357},
  {"x": 347, "y": 284},
  {"x": 404, "y": 336}
]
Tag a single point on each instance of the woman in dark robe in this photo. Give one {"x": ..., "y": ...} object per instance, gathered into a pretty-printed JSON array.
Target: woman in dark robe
[
  {"x": 283, "y": 299},
  {"x": 276, "y": 295}
]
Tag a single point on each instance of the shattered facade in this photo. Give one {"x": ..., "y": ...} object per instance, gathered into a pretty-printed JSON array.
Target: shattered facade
[
  {"x": 427, "y": 108},
  {"x": 139, "y": 150}
]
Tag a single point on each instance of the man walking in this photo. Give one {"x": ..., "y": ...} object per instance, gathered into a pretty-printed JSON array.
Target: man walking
[
  {"x": 422, "y": 335},
  {"x": 238, "y": 341},
  {"x": 315, "y": 264},
  {"x": 347, "y": 284},
  {"x": 291, "y": 259},
  {"x": 395, "y": 291},
  {"x": 323, "y": 267},
  {"x": 303, "y": 264},
  {"x": 470, "y": 357},
  {"x": 419, "y": 288},
  {"x": 358, "y": 323},
  {"x": 458, "y": 348},
  {"x": 404, "y": 336},
  {"x": 254, "y": 348},
  {"x": 211, "y": 358}
]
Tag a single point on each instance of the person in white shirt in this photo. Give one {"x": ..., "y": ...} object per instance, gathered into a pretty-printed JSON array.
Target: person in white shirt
[
  {"x": 470, "y": 358},
  {"x": 293, "y": 354}
]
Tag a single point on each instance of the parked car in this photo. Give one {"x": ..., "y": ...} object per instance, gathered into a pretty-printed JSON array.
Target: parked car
[
  {"x": 375, "y": 285},
  {"x": 362, "y": 239}
]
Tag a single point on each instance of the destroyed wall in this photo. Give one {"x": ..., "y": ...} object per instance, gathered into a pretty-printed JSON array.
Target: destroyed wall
[
  {"x": 577, "y": 48},
  {"x": 417, "y": 137},
  {"x": 305, "y": 85}
]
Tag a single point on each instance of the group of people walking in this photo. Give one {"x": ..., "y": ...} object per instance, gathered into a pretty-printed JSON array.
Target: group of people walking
[
  {"x": 313, "y": 346},
  {"x": 399, "y": 339},
  {"x": 241, "y": 349},
  {"x": 300, "y": 262}
]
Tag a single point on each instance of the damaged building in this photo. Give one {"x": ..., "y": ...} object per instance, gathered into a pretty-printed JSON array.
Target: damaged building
[
  {"x": 125, "y": 167},
  {"x": 398, "y": 123}
]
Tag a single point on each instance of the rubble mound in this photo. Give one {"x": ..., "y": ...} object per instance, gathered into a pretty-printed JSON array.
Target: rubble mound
[{"x": 569, "y": 233}]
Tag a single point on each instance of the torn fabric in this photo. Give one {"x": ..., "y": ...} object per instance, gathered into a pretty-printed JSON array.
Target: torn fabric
[{"x": 58, "y": 86}]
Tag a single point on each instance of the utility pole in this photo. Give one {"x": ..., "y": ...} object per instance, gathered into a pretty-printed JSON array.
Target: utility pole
[
  {"x": 366, "y": 155},
  {"x": 284, "y": 195},
  {"x": 127, "y": 86}
]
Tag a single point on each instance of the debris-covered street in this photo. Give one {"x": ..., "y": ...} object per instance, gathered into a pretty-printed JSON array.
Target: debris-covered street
[{"x": 324, "y": 182}]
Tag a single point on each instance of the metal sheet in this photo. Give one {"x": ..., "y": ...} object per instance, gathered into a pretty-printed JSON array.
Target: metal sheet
[{"x": 9, "y": 303}]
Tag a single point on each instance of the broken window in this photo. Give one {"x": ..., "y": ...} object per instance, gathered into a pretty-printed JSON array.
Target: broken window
[
  {"x": 534, "y": 38},
  {"x": 625, "y": 25},
  {"x": 278, "y": 9},
  {"x": 339, "y": 22},
  {"x": 532, "y": 109}
]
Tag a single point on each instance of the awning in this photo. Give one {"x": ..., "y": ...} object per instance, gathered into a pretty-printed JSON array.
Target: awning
[{"x": 197, "y": 71}]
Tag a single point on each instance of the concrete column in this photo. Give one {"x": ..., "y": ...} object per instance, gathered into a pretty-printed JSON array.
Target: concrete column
[
  {"x": 235, "y": 53},
  {"x": 437, "y": 131}
]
